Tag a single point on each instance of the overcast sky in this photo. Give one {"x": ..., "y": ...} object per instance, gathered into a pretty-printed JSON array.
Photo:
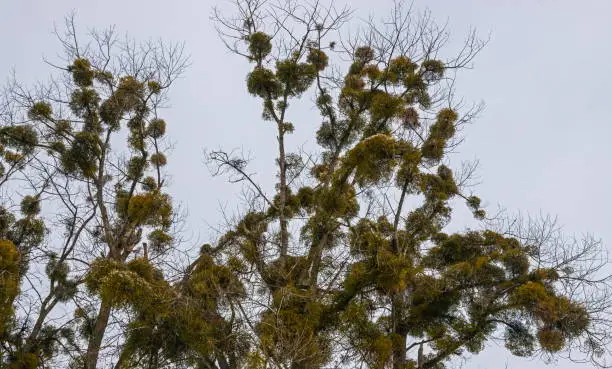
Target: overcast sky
[{"x": 543, "y": 140}]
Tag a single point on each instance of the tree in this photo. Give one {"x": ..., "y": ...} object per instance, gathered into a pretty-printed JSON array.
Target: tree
[
  {"x": 368, "y": 281},
  {"x": 90, "y": 144},
  {"x": 346, "y": 263}
]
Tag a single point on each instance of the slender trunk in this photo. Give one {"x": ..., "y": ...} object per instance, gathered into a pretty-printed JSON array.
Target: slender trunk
[
  {"x": 47, "y": 305},
  {"x": 95, "y": 341},
  {"x": 399, "y": 332},
  {"x": 398, "y": 304},
  {"x": 284, "y": 233},
  {"x": 314, "y": 260},
  {"x": 420, "y": 358},
  {"x": 398, "y": 215}
]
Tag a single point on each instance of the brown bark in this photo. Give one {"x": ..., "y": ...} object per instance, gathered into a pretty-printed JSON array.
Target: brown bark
[{"x": 95, "y": 341}]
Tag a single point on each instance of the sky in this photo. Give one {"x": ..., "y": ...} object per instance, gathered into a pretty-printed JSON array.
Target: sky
[{"x": 542, "y": 140}]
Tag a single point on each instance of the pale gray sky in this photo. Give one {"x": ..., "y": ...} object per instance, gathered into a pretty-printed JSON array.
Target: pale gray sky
[{"x": 543, "y": 140}]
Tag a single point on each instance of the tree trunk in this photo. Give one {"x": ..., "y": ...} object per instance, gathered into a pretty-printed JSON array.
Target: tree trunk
[
  {"x": 399, "y": 332},
  {"x": 95, "y": 341},
  {"x": 398, "y": 298},
  {"x": 284, "y": 232},
  {"x": 399, "y": 351},
  {"x": 46, "y": 307}
]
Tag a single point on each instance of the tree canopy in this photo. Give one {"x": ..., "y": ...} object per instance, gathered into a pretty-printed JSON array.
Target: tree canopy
[{"x": 347, "y": 262}]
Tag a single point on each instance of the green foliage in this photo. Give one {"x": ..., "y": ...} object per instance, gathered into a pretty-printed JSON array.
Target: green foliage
[
  {"x": 385, "y": 106},
  {"x": 84, "y": 102},
  {"x": 157, "y": 128},
  {"x": 432, "y": 70},
  {"x": 551, "y": 339},
  {"x": 262, "y": 82},
  {"x": 23, "y": 361},
  {"x": 9, "y": 282},
  {"x": 159, "y": 239},
  {"x": 22, "y": 138},
  {"x": 519, "y": 340},
  {"x": 345, "y": 261},
  {"x": 154, "y": 86},
  {"x": 291, "y": 333},
  {"x": 136, "y": 167},
  {"x": 364, "y": 55},
  {"x": 40, "y": 111},
  {"x": 179, "y": 322},
  {"x": 82, "y": 72},
  {"x": 260, "y": 45},
  {"x": 62, "y": 127},
  {"x": 78, "y": 131},
  {"x": 149, "y": 184},
  {"x": 158, "y": 159},
  {"x": 82, "y": 157},
  {"x": 404, "y": 279},
  {"x": 129, "y": 96},
  {"x": 318, "y": 59},
  {"x": 295, "y": 77},
  {"x": 400, "y": 68},
  {"x": 440, "y": 132},
  {"x": 30, "y": 205}
]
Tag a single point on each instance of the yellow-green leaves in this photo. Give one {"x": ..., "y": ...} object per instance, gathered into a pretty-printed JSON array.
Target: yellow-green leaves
[
  {"x": 551, "y": 339},
  {"x": 82, "y": 72},
  {"x": 136, "y": 167},
  {"x": 432, "y": 70},
  {"x": 530, "y": 294},
  {"x": 385, "y": 106},
  {"x": 136, "y": 284},
  {"x": 439, "y": 133},
  {"x": 82, "y": 157},
  {"x": 30, "y": 205},
  {"x": 260, "y": 45},
  {"x": 560, "y": 319},
  {"x": 40, "y": 111},
  {"x": 473, "y": 203},
  {"x": 295, "y": 77},
  {"x": 127, "y": 97},
  {"x": 399, "y": 69},
  {"x": 149, "y": 208},
  {"x": 159, "y": 240},
  {"x": 158, "y": 159},
  {"x": 290, "y": 332},
  {"x": 372, "y": 160},
  {"x": 84, "y": 102},
  {"x": 9, "y": 282},
  {"x": 262, "y": 82},
  {"x": 439, "y": 187},
  {"x": 154, "y": 86},
  {"x": 21, "y": 138},
  {"x": 157, "y": 128}
]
